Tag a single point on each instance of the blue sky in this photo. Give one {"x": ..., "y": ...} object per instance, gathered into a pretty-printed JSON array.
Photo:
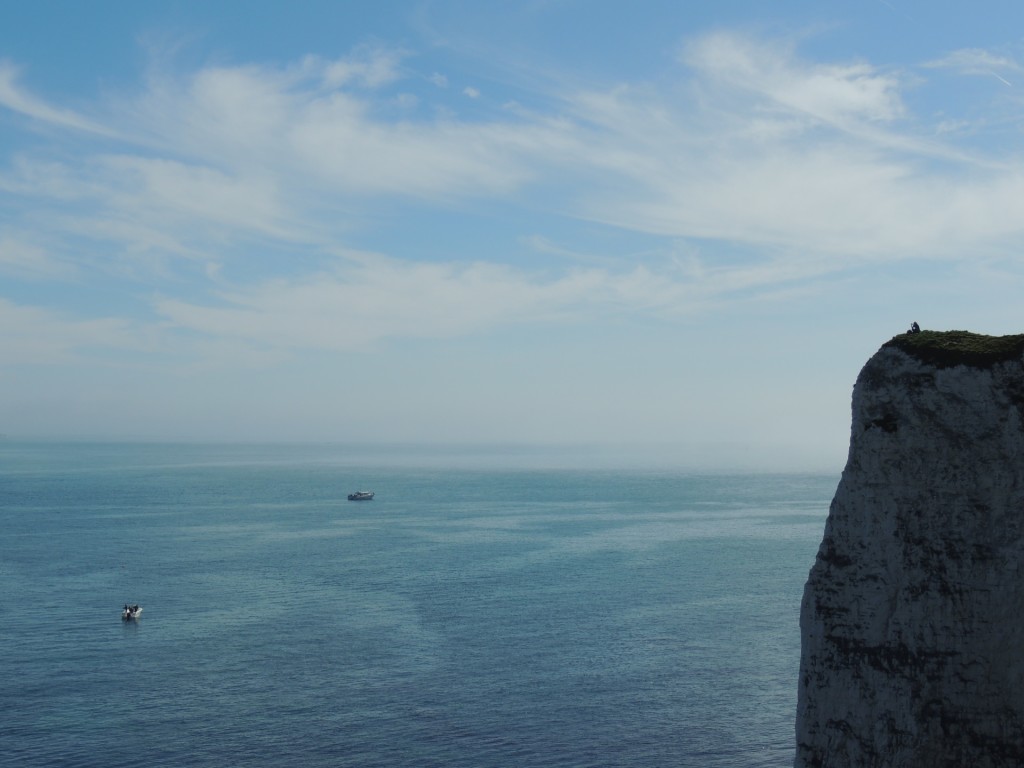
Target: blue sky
[{"x": 554, "y": 221}]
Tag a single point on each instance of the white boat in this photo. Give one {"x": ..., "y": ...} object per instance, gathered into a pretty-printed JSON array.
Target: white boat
[
  {"x": 361, "y": 496},
  {"x": 131, "y": 612}
]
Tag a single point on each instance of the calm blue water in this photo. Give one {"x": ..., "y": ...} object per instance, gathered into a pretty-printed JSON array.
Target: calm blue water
[{"x": 482, "y": 616}]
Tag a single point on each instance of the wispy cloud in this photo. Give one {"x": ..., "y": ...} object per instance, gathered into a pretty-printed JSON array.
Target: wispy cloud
[
  {"x": 368, "y": 66},
  {"x": 977, "y": 61},
  {"x": 306, "y": 126},
  {"x": 40, "y": 336},
  {"x": 837, "y": 94},
  {"x": 16, "y": 98},
  {"x": 752, "y": 146},
  {"x": 368, "y": 297},
  {"x": 24, "y": 258},
  {"x": 769, "y": 150}
]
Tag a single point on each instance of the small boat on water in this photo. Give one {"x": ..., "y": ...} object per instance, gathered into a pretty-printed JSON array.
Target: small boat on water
[
  {"x": 131, "y": 612},
  {"x": 361, "y": 496}
]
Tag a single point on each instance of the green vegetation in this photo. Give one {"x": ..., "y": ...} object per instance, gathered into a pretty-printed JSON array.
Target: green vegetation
[{"x": 945, "y": 349}]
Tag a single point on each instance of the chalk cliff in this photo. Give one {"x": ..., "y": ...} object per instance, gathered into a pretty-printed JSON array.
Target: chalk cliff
[{"x": 912, "y": 621}]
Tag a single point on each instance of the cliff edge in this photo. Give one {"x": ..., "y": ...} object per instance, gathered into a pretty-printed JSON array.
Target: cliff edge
[{"x": 912, "y": 620}]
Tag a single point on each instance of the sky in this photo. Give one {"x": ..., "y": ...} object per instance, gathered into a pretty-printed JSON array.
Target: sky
[{"x": 660, "y": 228}]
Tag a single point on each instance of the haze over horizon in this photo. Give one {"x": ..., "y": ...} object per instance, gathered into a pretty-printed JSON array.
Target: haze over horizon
[{"x": 555, "y": 222}]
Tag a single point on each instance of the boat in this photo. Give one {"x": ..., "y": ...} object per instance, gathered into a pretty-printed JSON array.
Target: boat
[
  {"x": 131, "y": 612},
  {"x": 361, "y": 496}
]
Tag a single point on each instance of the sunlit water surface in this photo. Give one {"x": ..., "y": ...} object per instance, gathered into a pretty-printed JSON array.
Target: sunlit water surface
[{"x": 485, "y": 616}]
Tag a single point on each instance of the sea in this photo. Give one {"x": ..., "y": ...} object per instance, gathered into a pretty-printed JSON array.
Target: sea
[{"x": 491, "y": 606}]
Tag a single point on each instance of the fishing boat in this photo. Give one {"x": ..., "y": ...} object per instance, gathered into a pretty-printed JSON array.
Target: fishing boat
[
  {"x": 131, "y": 612},
  {"x": 361, "y": 496}
]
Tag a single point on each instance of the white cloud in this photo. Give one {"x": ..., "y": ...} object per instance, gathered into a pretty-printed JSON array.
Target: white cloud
[
  {"x": 369, "y": 67},
  {"x": 153, "y": 189},
  {"x": 833, "y": 93},
  {"x": 33, "y": 335},
  {"x": 17, "y": 99},
  {"x": 767, "y": 150},
  {"x": 340, "y": 149},
  {"x": 231, "y": 153},
  {"x": 760, "y": 148},
  {"x": 283, "y": 123},
  {"x": 407, "y": 101},
  {"x": 25, "y": 258},
  {"x": 368, "y": 298},
  {"x": 976, "y": 61}
]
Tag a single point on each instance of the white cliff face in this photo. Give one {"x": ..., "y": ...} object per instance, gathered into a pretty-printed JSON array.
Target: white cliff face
[{"x": 912, "y": 619}]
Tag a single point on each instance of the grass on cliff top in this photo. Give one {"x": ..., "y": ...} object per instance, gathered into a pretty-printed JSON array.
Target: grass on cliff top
[{"x": 946, "y": 349}]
